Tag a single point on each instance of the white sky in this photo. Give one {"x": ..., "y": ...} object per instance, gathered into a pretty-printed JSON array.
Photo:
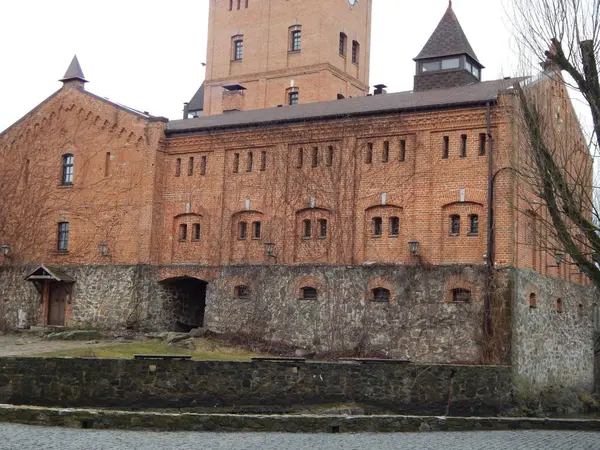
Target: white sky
[{"x": 147, "y": 54}]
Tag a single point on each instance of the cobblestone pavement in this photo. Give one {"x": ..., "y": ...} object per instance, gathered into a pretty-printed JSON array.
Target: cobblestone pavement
[{"x": 14, "y": 437}]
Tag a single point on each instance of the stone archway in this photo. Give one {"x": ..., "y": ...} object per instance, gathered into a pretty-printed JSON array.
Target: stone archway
[{"x": 186, "y": 303}]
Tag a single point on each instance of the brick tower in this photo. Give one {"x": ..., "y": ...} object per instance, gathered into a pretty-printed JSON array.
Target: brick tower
[{"x": 265, "y": 53}]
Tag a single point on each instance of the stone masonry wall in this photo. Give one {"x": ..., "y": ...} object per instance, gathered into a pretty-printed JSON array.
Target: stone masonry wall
[
  {"x": 134, "y": 384},
  {"x": 552, "y": 348}
]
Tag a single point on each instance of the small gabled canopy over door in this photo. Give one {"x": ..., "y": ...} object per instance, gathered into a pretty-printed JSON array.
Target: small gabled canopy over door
[{"x": 54, "y": 286}]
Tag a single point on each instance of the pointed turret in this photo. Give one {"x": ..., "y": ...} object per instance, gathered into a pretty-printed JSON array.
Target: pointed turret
[
  {"x": 447, "y": 60},
  {"x": 74, "y": 75}
]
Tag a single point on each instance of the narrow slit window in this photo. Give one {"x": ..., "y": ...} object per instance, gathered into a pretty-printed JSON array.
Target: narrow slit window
[
  {"x": 107, "y": 165},
  {"x": 322, "y": 228},
  {"x": 463, "y": 146},
  {"x": 559, "y": 305},
  {"x": 446, "y": 149},
  {"x": 236, "y": 163},
  {"x": 203, "y": 165},
  {"x": 385, "y": 156},
  {"x": 306, "y": 228},
  {"x": 63, "y": 237},
  {"x": 454, "y": 225},
  {"x": 239, "y": 4},
  {"x": 296, "y": 41},
  {"x": 482, "y": 143},
  {"x": 242, "y": 230},
  {"x": 250, "y": 162},
  {"x": 247, "y": 1},
  {"x": 300, "y": 157},
  {"x": 178, "y": 167},
  {"x": 330, "y": 155},
  {"x": 402, "y": 150},
  {"x": 355, "y": 52},
  {"x": 238, "y": 49},
  {"x": 377, "y": 224},
  {"x": 369, "y": 155},
  {"x": 256, "y": 230},
  {"x": 315, "y": 157},
  {"x": 343, "y": 40},
  {"x": 473, "y": 225},
  {"x": 196, "y": 232},
  {"x": 183, "y": 232},
  {"x": 190, "y": 166},
  {"x": 230, "y": 5},
  {"x": 263, "y": 161},
  {"x": 67, "y": 169},
  {"x": 394, "y": 226}
]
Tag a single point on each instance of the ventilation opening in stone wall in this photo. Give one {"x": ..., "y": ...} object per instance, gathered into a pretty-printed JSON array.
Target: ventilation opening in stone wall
[{"x": 186, "y": 302}]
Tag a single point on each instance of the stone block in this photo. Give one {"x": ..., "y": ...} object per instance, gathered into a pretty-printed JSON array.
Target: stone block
[
  {"x": 76, "y": 335},
  {"x": 198, "y": 332},
  {"x": 173, "y": 337}
]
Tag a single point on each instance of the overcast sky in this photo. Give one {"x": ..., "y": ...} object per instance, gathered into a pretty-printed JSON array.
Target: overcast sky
[{"x": 147, "y": 54}]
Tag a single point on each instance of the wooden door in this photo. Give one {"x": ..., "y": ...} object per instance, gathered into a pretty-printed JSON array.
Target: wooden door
[{"x": 59, "y": 295}]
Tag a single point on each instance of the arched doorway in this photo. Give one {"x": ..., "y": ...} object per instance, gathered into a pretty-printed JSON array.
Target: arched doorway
[{"x": 186, "y": 303}]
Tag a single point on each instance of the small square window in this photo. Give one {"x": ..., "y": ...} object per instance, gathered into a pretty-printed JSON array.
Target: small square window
[{"x": 242, "y": 291}]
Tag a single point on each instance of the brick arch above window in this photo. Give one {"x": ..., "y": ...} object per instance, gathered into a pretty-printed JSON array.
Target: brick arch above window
[
  {"x": 309, "y": 282},
  {"x": 457, "y": 284},
  {"x": 242, "y": 288},
  {"x": 376, "y": 284}
]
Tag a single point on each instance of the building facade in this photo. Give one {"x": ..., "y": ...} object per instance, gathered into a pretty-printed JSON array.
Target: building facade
[{"x": 343, "y": 225}]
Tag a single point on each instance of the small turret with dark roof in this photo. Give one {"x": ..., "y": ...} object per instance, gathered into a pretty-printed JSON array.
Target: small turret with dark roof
[
  {"x": 74, "y": 75},
  {"x": 447, "y": 60}
]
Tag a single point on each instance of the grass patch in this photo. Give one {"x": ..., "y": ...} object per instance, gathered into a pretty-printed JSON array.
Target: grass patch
[{"x": 206, "y": 349}]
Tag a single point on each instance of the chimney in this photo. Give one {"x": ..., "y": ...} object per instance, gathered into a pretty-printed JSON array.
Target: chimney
[
  {"x": 233, "y": 98},
  {"x": 186, "y": 110},
  {"x": 380, "y": 89}
]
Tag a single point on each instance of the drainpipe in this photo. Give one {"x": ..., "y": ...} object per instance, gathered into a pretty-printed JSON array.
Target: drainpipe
[{"x": 487, "y": 321}]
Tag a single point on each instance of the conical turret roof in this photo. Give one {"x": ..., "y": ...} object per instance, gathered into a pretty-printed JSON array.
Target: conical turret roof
[
  {"x": 74, "y": 72},
  {"x": 448, "y": 39}
]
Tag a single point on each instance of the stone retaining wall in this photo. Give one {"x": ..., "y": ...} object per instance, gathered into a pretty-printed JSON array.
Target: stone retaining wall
[{"x": 134, "y": 384}]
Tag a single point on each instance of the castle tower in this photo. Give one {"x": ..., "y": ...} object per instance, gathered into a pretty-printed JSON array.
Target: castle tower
[
  {"x": 265, "y": 53},
  {"x": 447, "y": 60}
]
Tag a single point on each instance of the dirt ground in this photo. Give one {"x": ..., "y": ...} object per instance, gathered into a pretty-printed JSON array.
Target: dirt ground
[{"x": 30, "y": 344}]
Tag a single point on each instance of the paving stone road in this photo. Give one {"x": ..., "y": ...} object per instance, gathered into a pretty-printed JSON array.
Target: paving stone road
[{"x": 15, "y": 437}]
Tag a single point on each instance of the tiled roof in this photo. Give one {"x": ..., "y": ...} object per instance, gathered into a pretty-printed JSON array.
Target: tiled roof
[
  {"x": 476, "y": 93},
  {"x": 448, "y": 39},
  {"x": 197, "y": 101}
]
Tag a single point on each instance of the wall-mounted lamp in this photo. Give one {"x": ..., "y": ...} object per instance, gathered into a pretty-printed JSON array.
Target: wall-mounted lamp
[
  {"x": 103, "y": 248},
  {"x": 413, "y": 246},
  {"x": 4, "y": 249},
  {"x": 559, "y": 257},
  {"x": 270, "y": 250}
]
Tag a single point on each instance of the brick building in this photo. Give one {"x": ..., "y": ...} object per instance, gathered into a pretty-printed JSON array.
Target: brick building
[{"x": 291, "y": 205}]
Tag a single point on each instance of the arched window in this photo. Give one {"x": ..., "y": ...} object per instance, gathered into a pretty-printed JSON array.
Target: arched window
[
  {"x": 461, "y": 295},
  {"x": 308, "y": 293},
  {"x": 377, "y": 224},
  {"x": 454, "y": 225},
  {"x": 196, "y": 232},
  {"x": 242, "y": 291},
  {"x": 67, "y": 169},
  {"x": 183, "y": 232},
  {"x": 394, "y": 226},
  {"x": 381, "y": 295},
  {"x": 473, "y": 225},
  {"x": 559, "y": 305},
  {"x": 532, "y": 300},
  {"x": 306, "y": 228}
]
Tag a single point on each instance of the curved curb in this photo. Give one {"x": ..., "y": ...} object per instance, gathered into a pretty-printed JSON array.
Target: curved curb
[{"x": 308, "y": 423}]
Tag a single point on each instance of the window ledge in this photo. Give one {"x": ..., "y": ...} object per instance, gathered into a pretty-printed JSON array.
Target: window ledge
[
  {"x": 65, "y": 186},
  {"x": 355, "y": 63},
  {"x": 241, "y": 239},
  {"x": 454, "y": 234},
  {"x": 294, "y": 52},
  {"x": 395, "y": 236},
  {"x": 61, "y": 252},
  {"x": 342, "y": 55},
  {"x": 473, "y": 234},
  {"x": 322, "y": 237},
  {"x": 195, "y": 240},
  {"x": 236, "y": 60},
  {"x": 302, "y": 298},
  {"x": 376, "y": 236},
  {"x": 256, "y": 238},
  {"x": 182, "y": 240},
  {"x": 306, "y": 238}
]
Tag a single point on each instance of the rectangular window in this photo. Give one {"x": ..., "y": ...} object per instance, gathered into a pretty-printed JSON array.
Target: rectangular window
[
  {"x": 454, "y": 225},
  {"x": 446, "y": 149},
  {"x": 63, "y": 237},
  {"x": 67, "y": 169},
  {"x": 239, "y": 4},
  {"x": 256, "y": 230},
  {"x": 238, "y": 49},
  {"x": 463, "y": 146},
  {"x": 430, "y": 66},
  {"x": 178, "y": 167},
  {"x": 385, "y": 157},
  {"x": 263, "y": 161},
  {"x": 343, "y": 40},
  {"x": 306, "y": 228},
  {"x": 355, "y": 52},
  {"x": 296, "y": 41},
  {"x": 394, "y": 226},
  {"x": 322, "y": 228},
  {"x": 329, "y": 155},
  {"x": 377, "y": 226},
  {"x": 293, "y": 98},
  {"x": 482, "y": 142},
  {"x": 230, "y": 5},
  {"x": 250, "y": 162},
  {"x": 247, "y": 4},
  {"x": 107, "y": 165},
  {"x": 242, "y": 230},
  {"x": 300, "y": 157},
  {"x": 315, "y": 157},
  {"x": 474, "y": 225},
  {"x": 196, "y": 232},
  {"x": 236, "y": 163},
  {"x": 191, "y": 166},
  {"x": 26, "y": 175},
  {"x": 453, "y": 63},
  {"x": 402, "y": 150},
  {"x": 369, "y": 155},
  {"x": 182, "y": 232},
  {"x": 203, "y": 165}
]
